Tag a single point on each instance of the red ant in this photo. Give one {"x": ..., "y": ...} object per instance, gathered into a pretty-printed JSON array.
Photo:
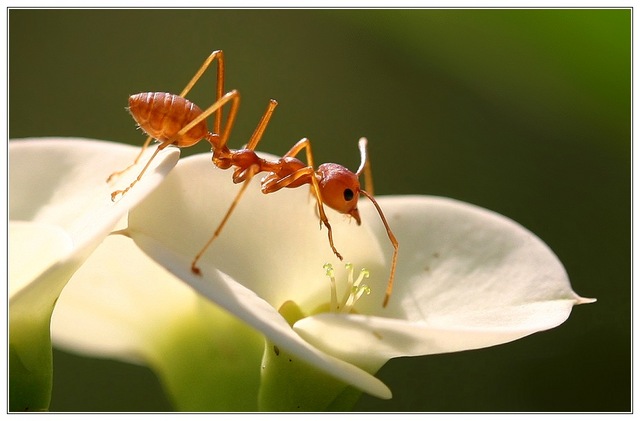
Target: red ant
[{"x": 174, "y": 120}]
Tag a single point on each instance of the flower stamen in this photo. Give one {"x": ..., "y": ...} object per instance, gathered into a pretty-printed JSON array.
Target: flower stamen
[
  {"x": 353, "y": 291},
  {"x": 328, "y": 267}
]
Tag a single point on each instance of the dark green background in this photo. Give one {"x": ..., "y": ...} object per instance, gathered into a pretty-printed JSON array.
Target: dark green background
[{"x": 525, "y": 112}]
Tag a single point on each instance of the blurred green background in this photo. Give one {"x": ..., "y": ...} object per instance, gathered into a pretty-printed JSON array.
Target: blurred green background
[{"x": 526, "y": 112}]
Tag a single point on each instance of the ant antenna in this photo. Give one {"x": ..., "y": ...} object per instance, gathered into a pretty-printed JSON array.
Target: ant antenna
[
  {"x": 365, "y": 165},
  {"x": 368, "y": 180}
]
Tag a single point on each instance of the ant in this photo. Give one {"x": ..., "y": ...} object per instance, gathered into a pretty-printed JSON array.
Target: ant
[{"x": 174, "y": 120}]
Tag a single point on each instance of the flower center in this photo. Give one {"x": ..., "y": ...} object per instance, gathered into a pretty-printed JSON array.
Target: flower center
[{"x": 353, "y": 291}]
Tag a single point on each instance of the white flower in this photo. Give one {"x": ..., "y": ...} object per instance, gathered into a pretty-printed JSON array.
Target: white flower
[
  {"x": 59, "y": 211},
  {"x": 120, "y": 304},
  {"x": 467, "y": 278}
]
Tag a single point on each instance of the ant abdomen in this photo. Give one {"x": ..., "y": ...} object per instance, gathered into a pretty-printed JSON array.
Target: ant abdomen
[{"x": 162, "y": 115}]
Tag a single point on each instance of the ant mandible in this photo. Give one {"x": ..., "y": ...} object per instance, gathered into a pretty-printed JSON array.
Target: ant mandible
[{"x": 174, "y": 120}]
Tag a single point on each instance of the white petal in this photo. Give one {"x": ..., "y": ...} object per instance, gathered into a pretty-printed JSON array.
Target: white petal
[
  {"x": 116, "y": 303},
  {"x": 27, "y": 239},
  {"x": 62, "y": 181},
  {"x": 59, "y": 185},
  {"x": 467, "y": 278}
]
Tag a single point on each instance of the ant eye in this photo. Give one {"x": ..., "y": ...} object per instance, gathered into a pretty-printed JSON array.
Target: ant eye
[{"x": 348, "y": 195}]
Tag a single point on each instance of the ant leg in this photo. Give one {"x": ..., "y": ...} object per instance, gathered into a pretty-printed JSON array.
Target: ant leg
[
  {"x": 302, "y": 144},
  {"x": 271, "y": 184},
  {"x": 135, "y": 161},
  {"x": 262, "y": 125},
  {"x": 394, "y": 243},
  {"x": 219, "y": 85},
  {"x": 216, "y": 141},
  {"x": 323, "y": 216},
  {"x": 365, "y": 165},
  {"x": 139, "y": 177},
  {"x": 234, "y": 97},
  {"x": 250, "y": 173},
  {"x": 315, "y": 190},
  {"x": 219, "y": 142}
]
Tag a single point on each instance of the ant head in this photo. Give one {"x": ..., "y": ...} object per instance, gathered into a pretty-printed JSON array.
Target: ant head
[{"x": 340, "y": 189}]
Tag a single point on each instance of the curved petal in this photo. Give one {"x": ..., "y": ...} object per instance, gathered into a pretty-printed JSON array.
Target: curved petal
[
  {"x": 61, "y": 181},
  {"x": 59, "y": 185},
  {"x": 467, "y": 278},
  {"x": 120, "y": 304},
  {"x": 116, "y": 302},
  {"x": 48, "y": 242}
]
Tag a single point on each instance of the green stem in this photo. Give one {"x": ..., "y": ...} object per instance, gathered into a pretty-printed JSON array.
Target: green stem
[
  {"x": 209, "y": 361},
  {"x": 30, "y": 363},
  {"x": 290, "y": 384}
]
